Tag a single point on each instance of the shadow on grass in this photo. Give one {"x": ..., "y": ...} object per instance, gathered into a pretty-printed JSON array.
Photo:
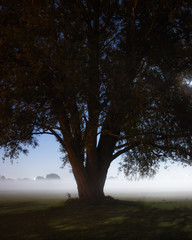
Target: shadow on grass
[{"x": 123, "y": 220}]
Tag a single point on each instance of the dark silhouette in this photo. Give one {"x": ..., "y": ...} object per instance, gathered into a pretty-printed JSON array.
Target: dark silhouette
[
  {"x": 39, "y": 178},
  {"x": 2, "y": 178},
  {"x": 106, "y": 78},
  {"x": 52, "y": 176}
]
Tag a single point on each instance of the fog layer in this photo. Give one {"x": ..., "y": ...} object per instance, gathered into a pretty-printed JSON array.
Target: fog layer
[{"x": 113, "y": 187}]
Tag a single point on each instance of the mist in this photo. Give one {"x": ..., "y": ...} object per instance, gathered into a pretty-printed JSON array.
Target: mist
[
  {"x": 149, "y": 189},
  {"x": 114, "y": 186},
  {"x": 34, "y": 188}
]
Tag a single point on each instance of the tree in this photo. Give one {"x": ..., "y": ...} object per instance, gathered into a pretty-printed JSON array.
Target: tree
[
  {"x": 39, "y": 178},
  {"x": 2, "y": 178},
  {"x": 52, "y": 176},
  {"x": 106, "y": 78}
]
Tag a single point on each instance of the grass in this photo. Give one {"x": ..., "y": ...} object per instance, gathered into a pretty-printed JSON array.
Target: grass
[{"x": 35, "y": 219}]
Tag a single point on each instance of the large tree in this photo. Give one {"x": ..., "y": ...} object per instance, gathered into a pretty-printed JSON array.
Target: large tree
[{"x": 107, "y": 78}]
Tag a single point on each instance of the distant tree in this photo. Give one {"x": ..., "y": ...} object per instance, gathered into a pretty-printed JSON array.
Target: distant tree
[
  {"x": 52, "y": 176},
  {"x": 39, "y": 178},
  {"x": 2, "y": 178},
  {"x": 106, "y": 78}
]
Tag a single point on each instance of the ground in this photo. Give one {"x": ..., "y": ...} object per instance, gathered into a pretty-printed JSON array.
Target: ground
[{"x": 51, "y": 219}]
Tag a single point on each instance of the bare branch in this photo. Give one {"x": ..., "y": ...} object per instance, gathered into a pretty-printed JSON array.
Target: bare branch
[
  {"x": 59, "y": 138},
  {"x": 42, "y": 132},
  {"x": 120, "y": 146},
  {"x": 50, "y": 131}
]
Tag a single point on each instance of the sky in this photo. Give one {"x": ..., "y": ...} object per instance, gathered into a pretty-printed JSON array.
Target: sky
[{"x": 46, "y": 158}]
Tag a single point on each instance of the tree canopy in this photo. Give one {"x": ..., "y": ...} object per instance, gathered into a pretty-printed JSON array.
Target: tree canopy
[{"x": 106, "y": 78}]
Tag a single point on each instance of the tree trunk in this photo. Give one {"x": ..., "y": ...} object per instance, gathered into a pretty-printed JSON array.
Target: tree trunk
[
  {"x": 90, "y": 191},
  {"x": 90, "y": 173},
  {"x": 90, "y": 184}
]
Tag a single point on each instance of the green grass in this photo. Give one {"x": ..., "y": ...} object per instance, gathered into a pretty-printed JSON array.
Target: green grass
[{"x": 121, "y": 220}]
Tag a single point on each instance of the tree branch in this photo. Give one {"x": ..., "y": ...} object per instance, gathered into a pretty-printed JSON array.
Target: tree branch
[
  {"x": 42, "y": 132},
  {"x": 59, "y": 138},
  {"x": 120, "y": 146},
  {"x": 168, "y": 148},
  {"x": 117, "y": 154},
  {"x": 112, "y": 39},
  {"x": 50, "y": 131}
]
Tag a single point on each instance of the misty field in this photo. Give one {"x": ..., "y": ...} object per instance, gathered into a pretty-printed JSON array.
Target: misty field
[{"x": 128, "y": 219}]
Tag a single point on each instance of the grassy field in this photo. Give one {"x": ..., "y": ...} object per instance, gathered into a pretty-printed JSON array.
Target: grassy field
[{"x": 41, "y": 219}]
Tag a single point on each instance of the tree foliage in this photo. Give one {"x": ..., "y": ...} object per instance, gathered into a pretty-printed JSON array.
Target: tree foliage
[{"x": 106, "y": 78}]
